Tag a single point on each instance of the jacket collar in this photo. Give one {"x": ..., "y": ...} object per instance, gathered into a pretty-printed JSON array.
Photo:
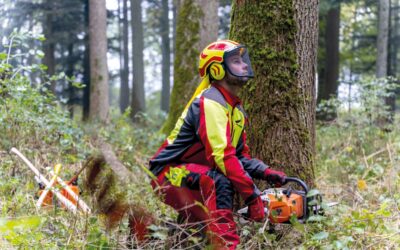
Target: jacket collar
[{"x": 231, "y": 99}]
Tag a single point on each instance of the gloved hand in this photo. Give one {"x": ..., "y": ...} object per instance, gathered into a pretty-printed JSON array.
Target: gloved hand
[
  {"x": 277, "y": 178},
  {"x": 256, "y": 210}
]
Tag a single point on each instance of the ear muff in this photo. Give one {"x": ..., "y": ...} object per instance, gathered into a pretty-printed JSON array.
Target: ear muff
[{"x": 217, "y": 71}]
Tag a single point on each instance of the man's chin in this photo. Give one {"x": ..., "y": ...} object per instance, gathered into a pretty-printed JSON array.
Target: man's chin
[{"x": 239, "y": 81}]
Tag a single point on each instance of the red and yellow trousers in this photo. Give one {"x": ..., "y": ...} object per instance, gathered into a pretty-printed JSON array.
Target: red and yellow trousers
[{"x": 204, "y": 195}]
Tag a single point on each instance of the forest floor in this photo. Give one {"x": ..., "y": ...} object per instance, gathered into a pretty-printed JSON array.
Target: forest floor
[{"x": 357, "y": 165}]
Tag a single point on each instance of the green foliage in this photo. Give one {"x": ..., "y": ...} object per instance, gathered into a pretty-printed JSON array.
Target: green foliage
[{"x": 30, "y": 113}]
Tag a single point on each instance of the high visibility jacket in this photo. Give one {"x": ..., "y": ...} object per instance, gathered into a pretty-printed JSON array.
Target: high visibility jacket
[{"x": 211, "y": 132}]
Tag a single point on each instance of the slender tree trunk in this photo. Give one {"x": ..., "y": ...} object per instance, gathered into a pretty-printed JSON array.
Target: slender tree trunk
[
  {"x": 280, "y": 101},
  {"x": 70, "y": 73},
  {"x": 328, "y": 82},
  {"x": 382, "y": 42},
  {"x": 382, "y": 56},
  {"x": 393, "y": 49},
  {"x": 124, "y": 88},
  {"x": 138, "y": 95},
  {"x": 86, "y": 68},
  {"x": 99, "y": 105},
  {"x": 197, "y": 26},
  {"x": 48, "y": 45},
  {"x": 166, "y": 56}
]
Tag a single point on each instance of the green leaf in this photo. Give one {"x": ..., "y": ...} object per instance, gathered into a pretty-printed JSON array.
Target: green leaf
[
  {"x": 3, "y": 56},
  {"x": 316, "y": 218},
  {"x": 312, "y": 192},
  {"x": 320, "y": 236},
  {"x": 159, "y": 235}
]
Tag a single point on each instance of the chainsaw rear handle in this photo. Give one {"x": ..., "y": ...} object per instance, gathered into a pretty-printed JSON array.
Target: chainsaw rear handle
[{"x": 298, "y": 181}]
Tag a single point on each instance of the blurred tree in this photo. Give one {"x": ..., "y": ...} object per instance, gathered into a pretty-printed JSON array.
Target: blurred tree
[
  {"x": 124, "y": 92},
  {"x": 328, "y": 66},
  {"x": 197, "y": 26},
  {"x": 138, "y": 96},
  {"x": 282, "y": 39},
  {"x": 99, "y": 105},
  {"x": 166, "y": 56},
  {"x": 382, "y": 39},
  {"x": 49, "y": 44},
  {"x": 393, "y": 45}
]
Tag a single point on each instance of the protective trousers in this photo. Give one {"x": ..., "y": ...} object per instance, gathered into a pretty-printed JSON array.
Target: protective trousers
[{"x": 201, "y": 195}]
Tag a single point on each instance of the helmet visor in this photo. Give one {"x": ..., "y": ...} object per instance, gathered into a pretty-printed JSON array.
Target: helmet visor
[{"x": 237, "y": 62}]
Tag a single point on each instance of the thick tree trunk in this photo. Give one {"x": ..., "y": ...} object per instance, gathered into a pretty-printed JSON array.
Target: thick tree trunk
[
  {"x": 138, "y": 95},
  {"x": 166, "y": 56},
  {"x": 328, "y": 80},
  {"x": 197, "y": 26},
  {"x": 124, "y": 88},
  {"x": 280, "y": 101},
  {"x": 99, "y": 105}
]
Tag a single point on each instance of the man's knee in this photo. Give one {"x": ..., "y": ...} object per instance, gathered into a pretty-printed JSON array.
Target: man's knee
[{"x": 224, "y": 190}]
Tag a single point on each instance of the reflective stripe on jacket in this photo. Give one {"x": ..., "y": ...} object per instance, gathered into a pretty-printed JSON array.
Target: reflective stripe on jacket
[{"x": 211, "y": 132}]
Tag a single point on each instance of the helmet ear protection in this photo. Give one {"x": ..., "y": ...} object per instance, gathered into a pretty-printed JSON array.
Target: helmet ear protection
[{"x": 217, "y": 71}]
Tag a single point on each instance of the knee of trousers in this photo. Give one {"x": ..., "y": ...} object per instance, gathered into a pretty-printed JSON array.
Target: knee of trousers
[{"x": 223, "y": 190}]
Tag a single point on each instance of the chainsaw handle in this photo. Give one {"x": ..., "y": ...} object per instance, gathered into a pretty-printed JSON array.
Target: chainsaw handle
[{"x": 298, "y": 181}]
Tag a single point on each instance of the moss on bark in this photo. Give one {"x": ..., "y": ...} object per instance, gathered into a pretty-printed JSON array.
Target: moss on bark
[
  {"x": 280, "y": 99},
  {"x": 186, "y": 62}
]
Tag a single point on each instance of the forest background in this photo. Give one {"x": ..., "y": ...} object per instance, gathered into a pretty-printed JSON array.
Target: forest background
[{"x": 76, "y": 72}]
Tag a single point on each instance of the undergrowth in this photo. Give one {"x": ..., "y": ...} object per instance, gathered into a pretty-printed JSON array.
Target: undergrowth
[{"x": 357, "y": 165}]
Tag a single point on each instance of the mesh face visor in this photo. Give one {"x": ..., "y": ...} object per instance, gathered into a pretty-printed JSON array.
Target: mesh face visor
[{"x": 237, "y": 62}]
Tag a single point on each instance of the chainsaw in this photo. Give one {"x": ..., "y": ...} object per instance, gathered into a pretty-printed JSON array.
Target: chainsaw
[{"x": 284, "y": 203}]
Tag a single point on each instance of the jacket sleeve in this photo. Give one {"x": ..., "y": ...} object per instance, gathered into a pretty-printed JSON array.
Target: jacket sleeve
[
  {"x": 215, "y": 134},
  {"x": 254, "y": 167}
]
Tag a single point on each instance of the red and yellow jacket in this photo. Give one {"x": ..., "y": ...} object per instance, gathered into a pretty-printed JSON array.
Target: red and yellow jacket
[{"x": 211, "y": 132}]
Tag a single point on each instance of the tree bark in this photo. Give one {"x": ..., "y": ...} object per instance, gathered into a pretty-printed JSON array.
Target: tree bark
[
  {"x": 328, "y": 81},
  {"x": 282, "y": 39},
  {"x": 99, "y": 105},
  {"x": 393, "y": 50},
  {"x": 197, "y": 26},
  {"x": 48, "y": 45},
  {"x": 166, "y": 56},
  {"x": 86, "y": 67},
  {"x": 382, "y": 41},
  {"x": 124, "y": 88},
  {"x": 138, "y": 95}
]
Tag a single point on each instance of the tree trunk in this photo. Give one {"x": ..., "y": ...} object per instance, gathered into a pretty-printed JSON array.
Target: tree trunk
[
  {"x": 328, "y": 81},
  {"x": 124, "y": 88},
  {"x": 98, "y": 60},
  {"x": 280, "y": 101},
  {"x": 382, "y": 41},
  {"x": 197, "y": 26},
  {"x": 86, "y": 68},
  {"x": 166, "y": 56},
  {"x": 70, "y": 73},
  {"x": 393, "y": 34},
  {"x": 48, "y": 45},
  {"x": 138, "y": 95}
]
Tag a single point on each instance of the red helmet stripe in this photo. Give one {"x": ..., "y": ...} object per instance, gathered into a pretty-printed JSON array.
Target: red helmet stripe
[{"x": 214, "y": 58}]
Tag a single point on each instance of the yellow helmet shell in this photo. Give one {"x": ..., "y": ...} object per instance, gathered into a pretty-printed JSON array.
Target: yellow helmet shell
[{"x": 214, "y": 53}]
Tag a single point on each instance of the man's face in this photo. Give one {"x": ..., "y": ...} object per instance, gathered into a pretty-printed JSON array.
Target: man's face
[
  {"x": 236, "y": 65},
  {"x": 239, "y": 70}
]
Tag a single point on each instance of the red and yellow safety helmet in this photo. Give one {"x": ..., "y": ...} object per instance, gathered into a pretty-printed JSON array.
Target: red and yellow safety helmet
[{"x": 212, "y": 59}]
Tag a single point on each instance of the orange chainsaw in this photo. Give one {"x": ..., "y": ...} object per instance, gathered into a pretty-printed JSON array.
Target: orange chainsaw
[{"x": 281, "y": 204}]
